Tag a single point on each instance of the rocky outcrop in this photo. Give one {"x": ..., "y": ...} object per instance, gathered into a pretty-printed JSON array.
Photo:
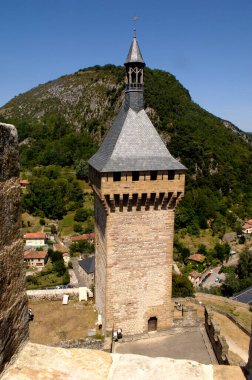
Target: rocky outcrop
[{"x": 13, "y": 300}]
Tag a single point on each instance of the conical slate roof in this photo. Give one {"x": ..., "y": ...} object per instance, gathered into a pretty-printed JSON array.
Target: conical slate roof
[
  {"x": 134, "y": 54},
  {"x": 133, "y": 144}
]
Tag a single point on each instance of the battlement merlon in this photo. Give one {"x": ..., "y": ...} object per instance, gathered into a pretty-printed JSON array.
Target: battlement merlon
[{"x": 124, "y": 190}]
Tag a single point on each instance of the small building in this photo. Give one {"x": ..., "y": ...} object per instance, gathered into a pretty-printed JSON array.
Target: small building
[
  {"x": 195, "y": 277},
  {"x": 24, "y": 183},
  {"x": 87, "y": 237},
  {"x": 35, "y": 239},
  {"x": 64, "y": 250},
  {"x": 197, "y": 257},
  {"x": 245, "y": 296},
  {"x": 86, "y": 270},
  {"x": 35, "y": 258},
  {"x": 247, "y": 227}
]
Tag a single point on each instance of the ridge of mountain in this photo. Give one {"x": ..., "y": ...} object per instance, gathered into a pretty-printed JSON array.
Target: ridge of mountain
[{"x": 64, "y": 120}]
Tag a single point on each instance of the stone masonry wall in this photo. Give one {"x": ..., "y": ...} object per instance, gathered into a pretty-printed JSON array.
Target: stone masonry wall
[
  {"x": 13, "y": 300},
  {"x": 100, "y": 258},
  {"x": 139, "y": 269},
  {"x": 218, "y": 341}
]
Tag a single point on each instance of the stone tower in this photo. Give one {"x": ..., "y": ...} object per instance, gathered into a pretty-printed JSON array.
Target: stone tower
[{"x": 137, "y": 184}]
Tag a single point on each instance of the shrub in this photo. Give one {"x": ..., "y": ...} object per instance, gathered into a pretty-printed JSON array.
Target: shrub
[
  {"x": 77, "y": 227},
  {"x": 181, "y": 286}
]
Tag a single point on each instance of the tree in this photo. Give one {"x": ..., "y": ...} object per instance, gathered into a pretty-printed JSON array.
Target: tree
[
  {"x": 242, "y": 239},
  {"x": 81, "y": 215},
  {"x": 221, "y": 252},
  {"x": 77, "y": 227},
  {"x": 82, "y": 170},
  {"x": 53, "y": 229},
  {"x": 202, "y": 249},
  {"x": 50, "y": 197},
  {"x": 54, "y": 255},
  {"x": 181, "y": 286},
  {"x": 59, "y": 267},
  {"x": 231, "y": 285},
  {"x": 244, "y": 267}
]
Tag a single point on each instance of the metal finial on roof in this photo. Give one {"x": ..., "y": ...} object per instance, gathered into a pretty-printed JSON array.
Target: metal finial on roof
[
  {"x": 134, "y": 54},
  {"x": 135, "y": 18}
]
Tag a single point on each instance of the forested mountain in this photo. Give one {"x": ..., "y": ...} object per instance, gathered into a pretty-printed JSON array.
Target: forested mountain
[{"x": 63, "y": 121}]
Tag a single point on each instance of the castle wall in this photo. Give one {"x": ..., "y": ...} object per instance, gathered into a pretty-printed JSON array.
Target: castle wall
[
  {"x": 13, "y": 300},
  {"x": 139, "y": 269},
  {"x": 100, "y": 257}
]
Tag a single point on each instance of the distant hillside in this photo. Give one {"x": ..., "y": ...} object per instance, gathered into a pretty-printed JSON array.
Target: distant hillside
[
  {"x": 249, "y": 134},
  {"x": 64, "y": 120}
]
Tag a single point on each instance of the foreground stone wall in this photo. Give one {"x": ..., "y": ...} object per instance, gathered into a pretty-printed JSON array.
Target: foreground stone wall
[
  {"x": 43, "y": 362},
  {"x": 249, "y": 364},
  {"x": 218, "y": 341},
  {"x": 13, "y": 300}
]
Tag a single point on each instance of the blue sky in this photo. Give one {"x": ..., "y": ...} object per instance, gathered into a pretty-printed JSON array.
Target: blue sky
[{"x": 206, "y": 44}]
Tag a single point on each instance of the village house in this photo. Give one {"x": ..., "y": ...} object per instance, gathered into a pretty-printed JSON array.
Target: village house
[
  {"x": 195, "y": 278},
  {"x": 247, "y": 227},
  {"x": 89, "y": 237},
  {"x": 86, "y": 270},
  {"x": 35, "y": 239},
  {"x": 24, "y": 183},
  {"x": 35, "y": 258},
  {"x": 197, "y": 257}
]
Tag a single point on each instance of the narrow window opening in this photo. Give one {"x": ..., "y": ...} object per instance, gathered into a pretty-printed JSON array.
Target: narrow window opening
[
  {"x": 171, "y": 174},
  {"x": 135, "y": 176},
  {"x": 116, "y": 176},
  {"x": 153, "y": 175}
]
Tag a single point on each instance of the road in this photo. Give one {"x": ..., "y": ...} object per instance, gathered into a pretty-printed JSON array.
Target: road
[{"x": 210, "y": 281}]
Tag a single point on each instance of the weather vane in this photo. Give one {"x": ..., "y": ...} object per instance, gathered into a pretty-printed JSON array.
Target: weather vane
[{"x": 135, "y": 18}]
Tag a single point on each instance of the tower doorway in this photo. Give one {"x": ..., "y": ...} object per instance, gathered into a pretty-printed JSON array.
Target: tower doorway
[{"x": 152, "y": 324}]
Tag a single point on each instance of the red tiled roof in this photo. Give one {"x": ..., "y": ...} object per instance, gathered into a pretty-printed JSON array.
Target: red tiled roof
[
  {"x": 246, "y": 225},
  {"x": 24, "y": 182},
  {"x": 194, "y": 274},
  {"x": 35, "y": 235},
  {"x": 60, "y": 247},
  {"x": 197, "y": 257},
  {"x": 249, "y": 221},
  {"x": 35, "y": 254},
  {"x": 83, "y": 237}
]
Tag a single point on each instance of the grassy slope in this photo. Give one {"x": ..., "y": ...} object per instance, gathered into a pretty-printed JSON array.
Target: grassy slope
[{"x": 237, "y": 309}]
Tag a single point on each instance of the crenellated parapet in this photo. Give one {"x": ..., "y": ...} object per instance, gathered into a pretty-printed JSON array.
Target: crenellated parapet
[{"x": 121, "y": 192}]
